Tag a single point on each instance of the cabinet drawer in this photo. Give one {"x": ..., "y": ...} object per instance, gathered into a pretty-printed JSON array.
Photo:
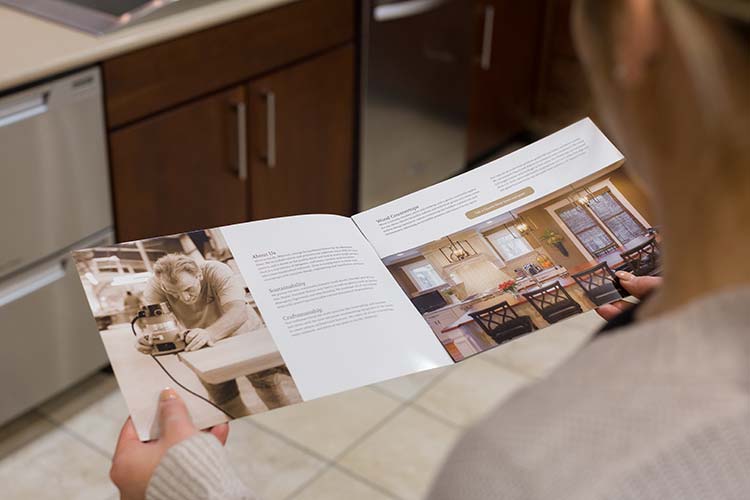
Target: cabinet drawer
[{"x": 155, "y": 78}]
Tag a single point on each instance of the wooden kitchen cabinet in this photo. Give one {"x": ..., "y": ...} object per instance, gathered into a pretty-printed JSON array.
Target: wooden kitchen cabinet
[
  {"x": 507, "y": 44},
  {"x": 192, "y": 122},
  {"x": 301, "y": 147},
  {"x": 176, "y": 71},
  {"x": 180, "y": 170},
  {"x": 183, "y": 169},
  {"x": 562, "y": 92}
]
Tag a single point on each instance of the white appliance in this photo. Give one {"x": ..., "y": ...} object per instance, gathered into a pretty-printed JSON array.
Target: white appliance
[{"x": 54, "y": 197}]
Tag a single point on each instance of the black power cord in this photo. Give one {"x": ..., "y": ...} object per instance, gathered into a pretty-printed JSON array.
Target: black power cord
[{"x": 132, "y": 327}]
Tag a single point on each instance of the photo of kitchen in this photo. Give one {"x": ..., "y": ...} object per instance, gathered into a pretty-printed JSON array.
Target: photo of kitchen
[
  {"x": 531, "y": 267},
  {"x": 175, "y": 312}
]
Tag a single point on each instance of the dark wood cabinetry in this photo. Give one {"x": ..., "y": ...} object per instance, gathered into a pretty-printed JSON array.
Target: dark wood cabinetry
[
  {"x": 176, "y": 71},
  {"x": 563, "y": 94},
  {"x": 527, "y": 78},
  {"x": 508, "y": 37},
  {"x": 301, "y": 130},
  {"x": 248, "y": 120},
  {"x": 180, "y": 170}
]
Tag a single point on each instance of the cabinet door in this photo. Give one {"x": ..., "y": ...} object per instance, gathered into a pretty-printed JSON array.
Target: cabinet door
[
  {"x": 182, "y": 169},
  {"x": 504, "y": 72},
  {"x": 563, "y": 94},
  {"x": 301, "y": 138}
]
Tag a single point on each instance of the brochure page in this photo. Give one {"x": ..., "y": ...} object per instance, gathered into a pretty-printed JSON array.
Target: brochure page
[
  {"x": 518, "y": 244},
  {"x": 338, "y": 316},
  {"x": 252, "y": 317}
]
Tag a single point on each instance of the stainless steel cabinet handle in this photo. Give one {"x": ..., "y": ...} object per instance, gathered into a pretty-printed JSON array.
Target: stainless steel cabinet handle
[
  {"x": 26, "y": 285},
  {"x": 485, "y": 60},
  {"x": 241, "y": 140},
  {"x": 400, "y": 10},
  {"x": 270, "y": 158},
  {"x": 22, "y": 111}
]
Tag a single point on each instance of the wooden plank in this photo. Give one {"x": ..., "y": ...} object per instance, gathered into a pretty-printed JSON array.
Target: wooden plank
[
  {"x": 155, "y": 78},
  {"x": 234, "y": 357}
]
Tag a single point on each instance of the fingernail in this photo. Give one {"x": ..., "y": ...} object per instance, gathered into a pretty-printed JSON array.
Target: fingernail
[
  {"x": 624, "y": 275},
  {"x": 167, "y": 393}
]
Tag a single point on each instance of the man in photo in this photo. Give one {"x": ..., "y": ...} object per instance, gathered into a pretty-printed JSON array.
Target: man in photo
[{"x": 209, "y": 300}]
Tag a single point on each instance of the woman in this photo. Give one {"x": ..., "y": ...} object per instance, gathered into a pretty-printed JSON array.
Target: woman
[{"x": 659, "y": 407}]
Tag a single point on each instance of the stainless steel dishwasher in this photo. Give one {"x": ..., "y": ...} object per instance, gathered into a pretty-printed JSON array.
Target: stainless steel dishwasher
[
  {"x": 54, "y": 197},
  {"x": 415, "y": 68}
]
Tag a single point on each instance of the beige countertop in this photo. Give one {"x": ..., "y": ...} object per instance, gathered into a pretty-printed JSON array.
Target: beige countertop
[{"x": 33, "y": 48}]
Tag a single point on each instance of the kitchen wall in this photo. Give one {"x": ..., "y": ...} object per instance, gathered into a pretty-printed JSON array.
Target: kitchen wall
[
  {"x": 633, "y": 193},
  {"x": 544, "y": 221}
]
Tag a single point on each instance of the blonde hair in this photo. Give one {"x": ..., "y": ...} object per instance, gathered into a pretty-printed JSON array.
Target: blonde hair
[
  {"x": 168, "y": 267},
  {"x": 717, "y": 60}
]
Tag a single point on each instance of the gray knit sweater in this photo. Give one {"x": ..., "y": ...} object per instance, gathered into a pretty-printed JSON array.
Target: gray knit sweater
[{"x": 658, "y": 410}]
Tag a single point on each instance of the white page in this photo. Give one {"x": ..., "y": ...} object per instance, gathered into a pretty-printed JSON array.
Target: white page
[
  {"x": 328, "y": 359},
  {"x": 548, "y": 165}
]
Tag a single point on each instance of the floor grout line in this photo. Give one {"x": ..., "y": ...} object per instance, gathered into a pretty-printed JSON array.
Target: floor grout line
[
  {"x": 403, "y": 404},
  {"x": 303, "y": 486},
  {"x": 366, "y": 481},
  {"x": 285, "y": 439},
  {"x": 70, "y": 432},
  {"x": 353, "y": 444},
  {"x": 514, "y": 368},
  {"x": 382, "y": 391},
  {"x": 439, "y": 418}
]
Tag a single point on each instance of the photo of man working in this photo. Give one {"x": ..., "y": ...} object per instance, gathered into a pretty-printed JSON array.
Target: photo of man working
[{"x": 209, "y": 300}]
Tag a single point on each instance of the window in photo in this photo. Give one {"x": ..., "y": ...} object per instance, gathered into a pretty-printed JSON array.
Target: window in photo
[
  {"x": 587, "y": 230},
  {"x": 423, "y": 275},
  {"x": 602, "y": 224},
  {"x": 615, "y": 217},
  {"x": 509, "y": 245}
]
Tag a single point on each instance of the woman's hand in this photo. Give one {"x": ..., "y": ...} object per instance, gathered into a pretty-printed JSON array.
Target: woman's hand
[
  {"x": 637, "y": 286},
  {"x": 134, "y": 462}
]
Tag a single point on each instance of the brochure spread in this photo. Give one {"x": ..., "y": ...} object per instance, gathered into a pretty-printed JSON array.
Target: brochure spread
[{"x": 250, "y": 317}]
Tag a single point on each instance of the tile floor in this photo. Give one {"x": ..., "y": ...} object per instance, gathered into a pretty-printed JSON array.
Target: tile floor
[{"x": 380, "y": 442}]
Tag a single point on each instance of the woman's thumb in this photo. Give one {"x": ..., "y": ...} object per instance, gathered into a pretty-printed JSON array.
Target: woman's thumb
[{"x": 175, "y": 423}]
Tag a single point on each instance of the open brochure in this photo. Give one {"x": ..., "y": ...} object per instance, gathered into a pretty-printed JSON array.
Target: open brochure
[{"x": 255, "y": 316}]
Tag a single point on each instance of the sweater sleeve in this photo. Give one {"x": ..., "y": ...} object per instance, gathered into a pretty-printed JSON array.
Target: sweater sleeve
[{"x": 197, "y": 468}]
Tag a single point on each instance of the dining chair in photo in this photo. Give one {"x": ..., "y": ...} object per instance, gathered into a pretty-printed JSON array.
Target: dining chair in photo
[
  {"x": 601, "y": 252},
  {"x": 643, "y": 260},
  {"x": 553, "y": 302},
  {"x": 600, "y": 284},
  {"x": 502, "y": 323}
]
